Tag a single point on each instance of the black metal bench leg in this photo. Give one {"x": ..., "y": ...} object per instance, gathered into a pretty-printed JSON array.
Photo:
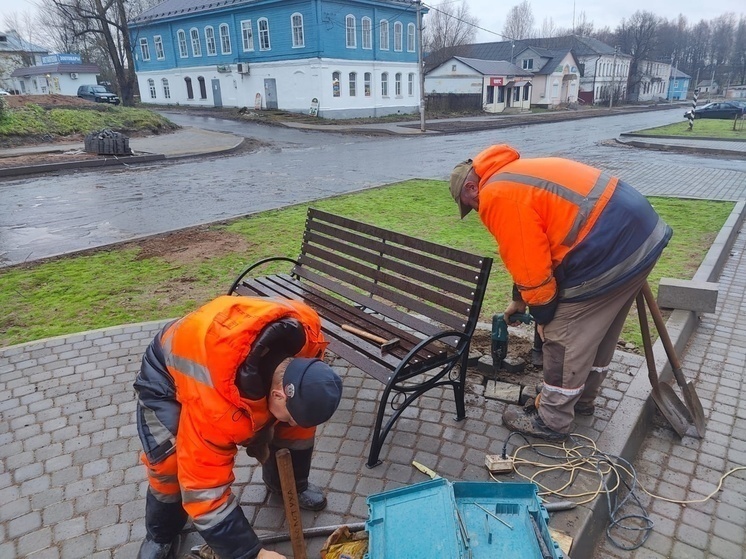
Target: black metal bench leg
[
  {"x": 459, "y": 389},
  {"x": 377, "y": 442}
]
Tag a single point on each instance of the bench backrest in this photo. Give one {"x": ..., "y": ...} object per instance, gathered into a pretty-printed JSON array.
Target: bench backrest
[{"x": 420, "y": 285}]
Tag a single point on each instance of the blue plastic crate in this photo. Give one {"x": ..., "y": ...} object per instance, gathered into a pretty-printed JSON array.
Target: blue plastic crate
[{"x": 421, "y": 522}]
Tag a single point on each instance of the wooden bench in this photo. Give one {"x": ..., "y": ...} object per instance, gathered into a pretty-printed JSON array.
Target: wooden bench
[{"x": 391, "y": 285}]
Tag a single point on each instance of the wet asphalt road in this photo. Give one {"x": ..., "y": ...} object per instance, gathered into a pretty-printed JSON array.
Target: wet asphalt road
[{"x": 53, "y": 214}]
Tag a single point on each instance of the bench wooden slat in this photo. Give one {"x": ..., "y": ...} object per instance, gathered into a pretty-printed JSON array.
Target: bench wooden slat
[
  {"x": 326, "y": 235},
  {"x": 376, "y": 264},
  {"x": 448, "y": 253},
  {"x": 450, "y": 319}
]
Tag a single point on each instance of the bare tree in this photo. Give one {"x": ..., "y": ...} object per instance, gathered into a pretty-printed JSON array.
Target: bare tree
[
  {"x": 445, "y": 27},
  {"x": 637, "y": 37},
  {"x": 519, "y": 23},
  {"x": 583, "y": 27},
  {"x": 104, "y": 24},
  {"x": 739, "y": 52},
  {"x": 548, "y": 28}
]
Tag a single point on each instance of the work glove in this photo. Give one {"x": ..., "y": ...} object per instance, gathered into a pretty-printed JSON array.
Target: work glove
[{"x": 258, "y": 446}]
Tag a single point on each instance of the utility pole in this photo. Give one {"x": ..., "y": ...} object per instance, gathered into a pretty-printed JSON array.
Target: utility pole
[
  {"x": 672, "y": 79},
  {"x": 420, "y": 65},
  {"x": 613, "y": 72}
]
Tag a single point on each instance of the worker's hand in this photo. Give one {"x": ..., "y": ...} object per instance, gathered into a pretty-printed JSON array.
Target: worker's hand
[
  {"x": 259, "y": 451},
  {"x": 513, "y": 308},
  {"x": 540, "y": 331},
  {"x": 267, "y": 554}
]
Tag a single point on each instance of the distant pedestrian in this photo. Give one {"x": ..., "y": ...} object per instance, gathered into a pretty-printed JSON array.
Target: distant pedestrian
[{"x": 579, "y": 244}]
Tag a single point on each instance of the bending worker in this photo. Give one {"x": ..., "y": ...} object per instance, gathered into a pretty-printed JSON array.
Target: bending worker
[
  {"x": 579, "y": 245},
  {"x": 216, "y": 379}
]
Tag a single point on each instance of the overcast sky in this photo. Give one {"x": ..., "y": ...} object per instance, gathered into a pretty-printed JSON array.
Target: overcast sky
[{"x": 491, "y": 14}]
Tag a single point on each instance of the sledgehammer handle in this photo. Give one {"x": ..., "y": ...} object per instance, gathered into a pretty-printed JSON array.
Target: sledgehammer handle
[{"x": 290, "y": 500}]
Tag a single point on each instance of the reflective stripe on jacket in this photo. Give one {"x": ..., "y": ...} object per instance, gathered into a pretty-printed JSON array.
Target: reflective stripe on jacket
[{"x": 565, "y": 230}]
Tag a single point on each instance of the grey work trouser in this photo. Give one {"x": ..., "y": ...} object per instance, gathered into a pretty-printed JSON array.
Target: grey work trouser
[{"x": 579, "y": 344}]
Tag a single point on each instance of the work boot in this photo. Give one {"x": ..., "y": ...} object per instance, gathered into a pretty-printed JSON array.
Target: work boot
[
  {"x": 529, "y": 423},
  {"x": 311, "y": 499},
  {"x": 150, "y": 549}
]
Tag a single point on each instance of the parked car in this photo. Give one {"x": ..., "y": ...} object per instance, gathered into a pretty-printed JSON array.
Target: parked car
[
  {"x": 97, "y": 93},
  {"x": 721, "y": 109},
  {"x": 3, "y": 92}
]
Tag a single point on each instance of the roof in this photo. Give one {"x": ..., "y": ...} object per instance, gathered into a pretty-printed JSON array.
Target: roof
[
  {"x": 676, "y": 73},
  {"x": 56, "y": 69},
  {"x": 14, "y": 43},
  {"x": 172, "y": 8},
  {"x": 493, "y": 67}
]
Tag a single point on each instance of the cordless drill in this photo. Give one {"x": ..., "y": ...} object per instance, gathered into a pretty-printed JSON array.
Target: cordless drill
[{"x": 500, "y": 335}]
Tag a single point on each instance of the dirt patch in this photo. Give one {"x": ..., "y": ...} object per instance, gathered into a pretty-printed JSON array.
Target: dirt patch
[
  {"x": 46, "y": 101},
  {"x": 46, "y": 158},
  {"x": 191, "y": 245}
]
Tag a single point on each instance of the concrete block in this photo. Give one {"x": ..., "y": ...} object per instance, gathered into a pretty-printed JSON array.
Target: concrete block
[
  {"x": 688, "y": 295},
  {"x": 485, "y": 364},
  {"x": 514, "y": 364},
  {"x": 503, "y": 391}
]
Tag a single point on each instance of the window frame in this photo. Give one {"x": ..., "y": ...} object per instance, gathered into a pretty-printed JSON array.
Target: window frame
[
  {"x": 211, "y": 46},
  {"x": 398, "y": 36},
  {"x": 352, "y": 84},
  {"x": 166, "y": 88},
  {"x": 160, "y": 53},
  {"x": 264, "y": 34},
  {"x": 190, "y": 87},
  {"x": 144, "y": 49},
  {"x": 337, "y": 77},
  {"x": 247, "y": 42},
  {"x": 181, "y": 39},
  {"x": 366, "y": 34},
  {"x": 151, "y": 88},
  {"x": 202, "y": 87},
  {"x": 350, "y": 32},
  {"x": 411, "y": 37},
  {"x": 194, "y": 36},
  {"x": 383, "y": 35},
  {"x": 384, "y": 84},
  {"x": 367, "y": 84},
  {"x": 397, "y": 84},
  {"x": 298, "y": 33},
  {"x": 528, "y": 64},
  {"x": 410, "y": 84},
  {"x": 225, "y": 39}
]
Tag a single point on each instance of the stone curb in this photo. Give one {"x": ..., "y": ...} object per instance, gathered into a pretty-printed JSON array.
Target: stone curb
[
  {"x": 682, "y": 149},
  {"x": 666, "y": 137},
  {"x": 628, "y": 426}
]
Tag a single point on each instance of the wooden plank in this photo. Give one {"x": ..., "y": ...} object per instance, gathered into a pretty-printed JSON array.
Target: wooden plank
[{"x": 442, "y": 251}]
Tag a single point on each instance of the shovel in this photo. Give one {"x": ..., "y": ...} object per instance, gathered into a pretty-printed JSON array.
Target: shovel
[
  {"x": 672, "y": 408},
  {"x": 687, "y": 388}
]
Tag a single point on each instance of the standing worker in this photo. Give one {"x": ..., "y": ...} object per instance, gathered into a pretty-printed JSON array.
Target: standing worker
[
  {"x": 579, "y": 245},
  {"x": 237, "y": 371}
]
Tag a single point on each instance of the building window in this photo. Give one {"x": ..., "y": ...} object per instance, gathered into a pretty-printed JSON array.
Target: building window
[
  {"x": 490, "y": 94},
  {"x": 397, "y": 84},
  {"x": 350, "y": 32},
  {"x": 212, "y": 50},
  {"x": 366, "y": 84},
  {"x": 144, "y": 49},
  {"x": 225, "y": 39},
  {"x": 166, "y": 89},
  {"x": 410, "y": 37},
  {"x": 264, "y": 34},
  {"x": 501, "y": 94},
  {"x": 296, "y": 22},
  {"x": 516, "y": 94},
  {"x": 202, "y": 88},
  {"x": 190, "y": 90},
  {"x": 555, "y": 89},
  {"x": 398, "y": 30},
  {"x": 151, "y": 87},
  {"x": 181, "y": 36},
  {"x": 367, "y": 25},
  {"x": 159, "y": 52},
  {"x": 353, "y": 84},
  {"x": 247, "y": 35},
  {"x": 335, "y": 84},
  {"x": 453, "y": 67},
  {"x": 196, "y": 45},
  {"x": 384, "y": 32},
  {"x": 528, "y": 63},
  {"x": 526, "y": 92},
  {"x": 385, "y": 84},
  {"x": 410, "y": 85}
]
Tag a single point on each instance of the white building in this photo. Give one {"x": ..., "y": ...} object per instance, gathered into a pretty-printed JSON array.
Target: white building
[
  {"x": 59, "y": 74},
  {"x": 16, "y": 53}
]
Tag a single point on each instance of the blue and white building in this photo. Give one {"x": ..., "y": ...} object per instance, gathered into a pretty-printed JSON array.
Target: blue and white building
[
  {"x": 342, "y": 58},
  {"x": 678, "y": 85}
]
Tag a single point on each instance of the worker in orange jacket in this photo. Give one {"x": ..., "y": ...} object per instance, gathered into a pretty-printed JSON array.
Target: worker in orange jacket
[
  {"x": 239, "y": 371},
  {"x": 579, "y": 245}
]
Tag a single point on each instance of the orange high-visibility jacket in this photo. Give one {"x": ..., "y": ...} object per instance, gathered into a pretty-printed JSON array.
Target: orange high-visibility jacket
[
  {"x": 202, "y": 353},
  {"x": 565, "y": 230}
]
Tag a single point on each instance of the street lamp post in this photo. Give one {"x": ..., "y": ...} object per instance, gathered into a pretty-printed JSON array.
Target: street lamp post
[{"x": 420, "y": 65}]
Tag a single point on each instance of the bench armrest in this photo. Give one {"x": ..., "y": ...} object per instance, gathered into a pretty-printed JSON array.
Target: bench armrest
[
  {"x": 397, "y": 376},
  {"x": 256, "y": 264}
]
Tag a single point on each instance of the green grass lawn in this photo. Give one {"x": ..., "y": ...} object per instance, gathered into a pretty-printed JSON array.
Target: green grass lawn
[
  {"x": 703, "y": 128},
  {"x": 128, "y": 284}
]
